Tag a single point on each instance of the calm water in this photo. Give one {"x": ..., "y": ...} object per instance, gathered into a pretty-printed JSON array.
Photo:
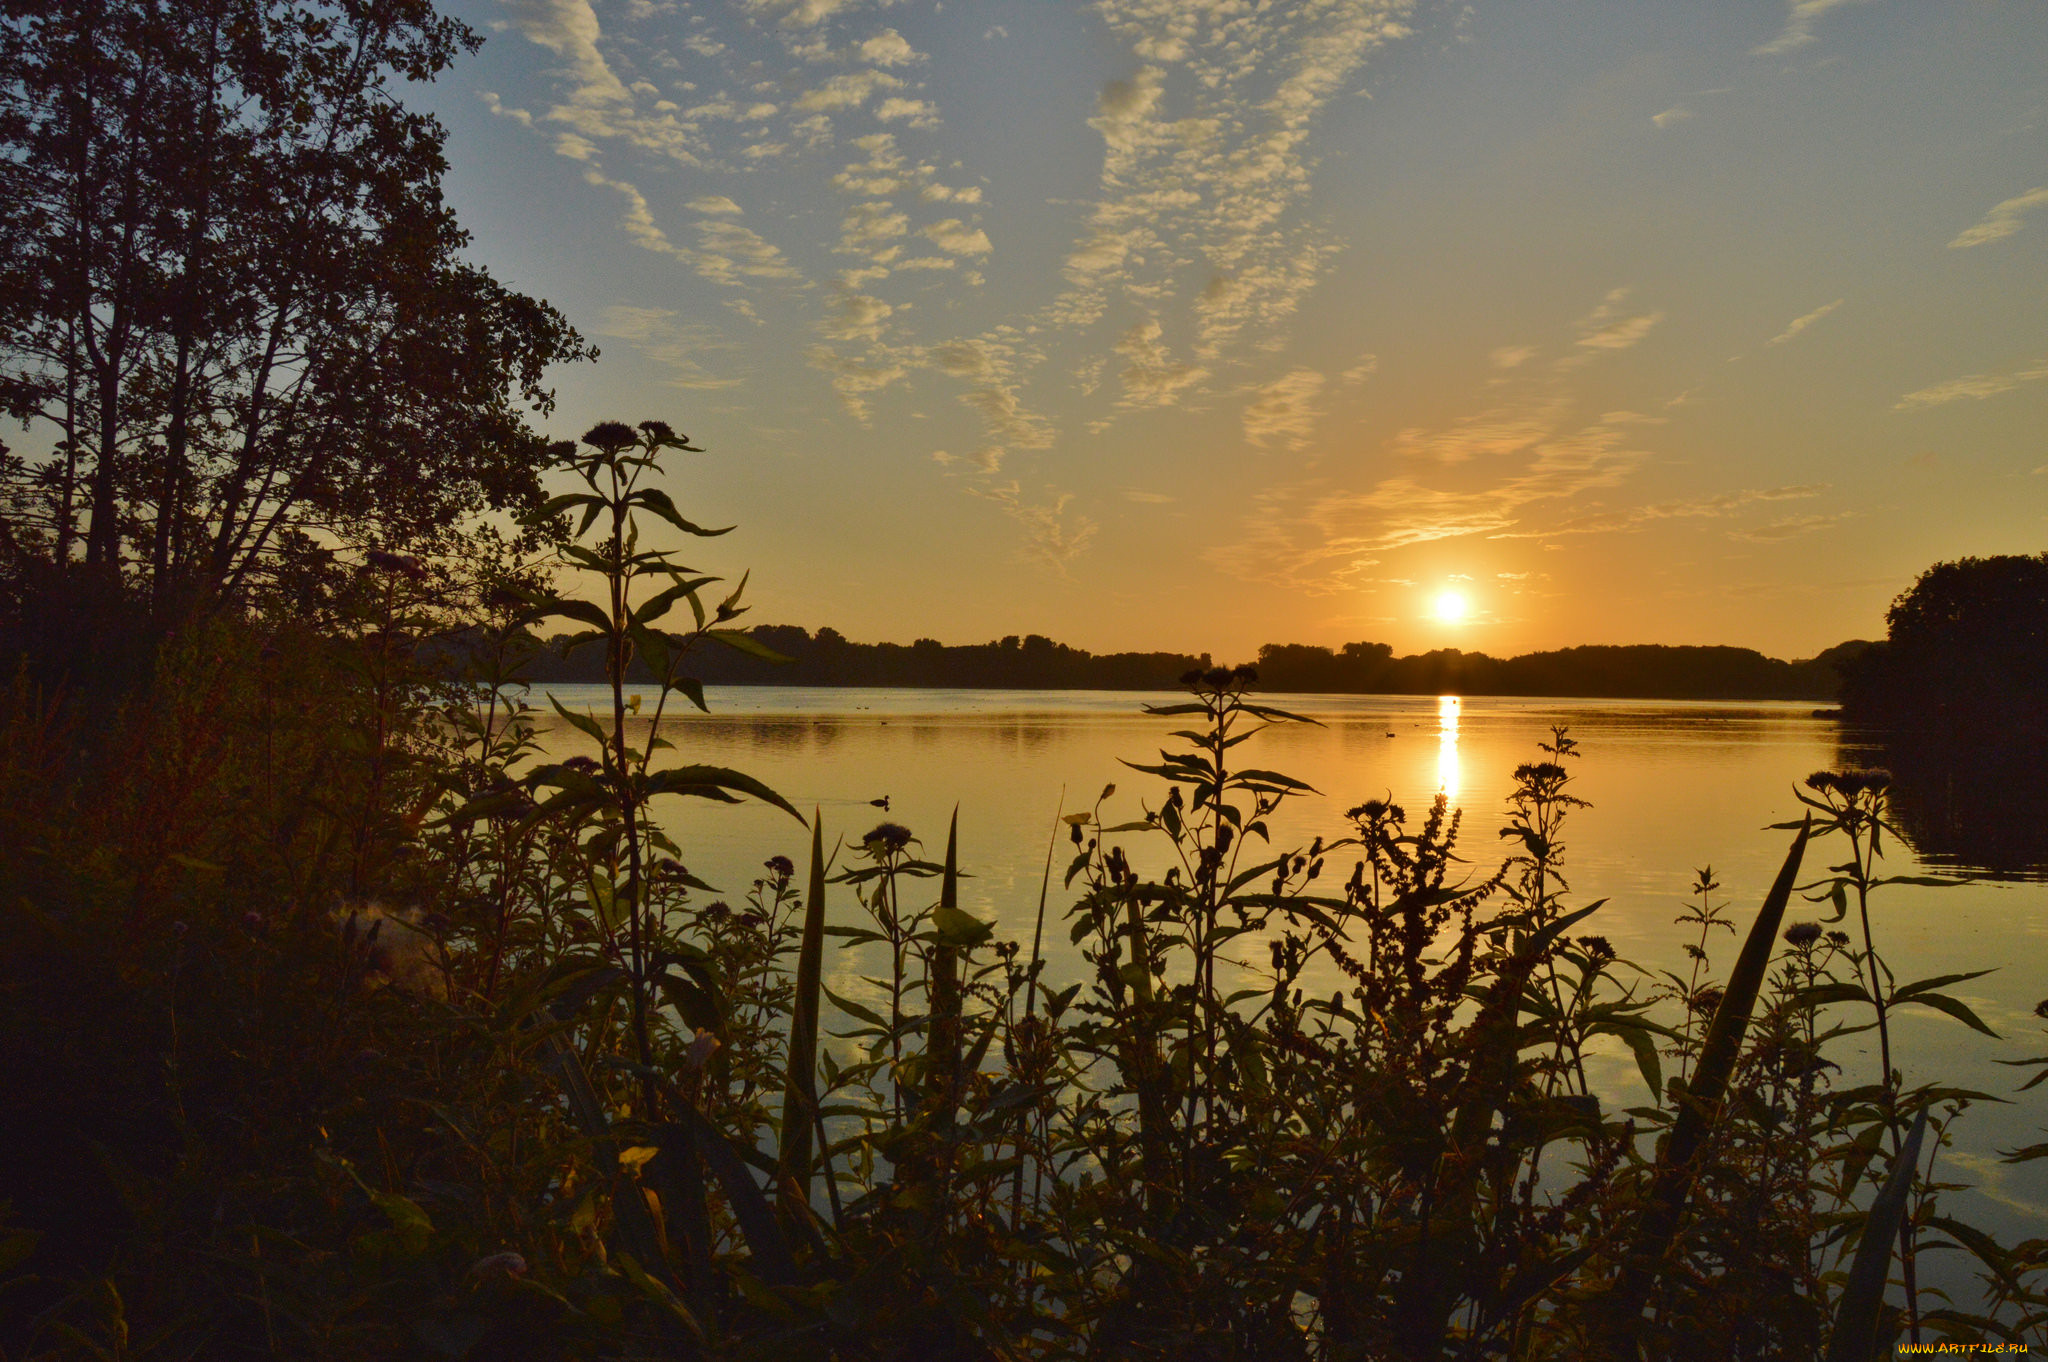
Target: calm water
[{"x": 1673, "y": 786}]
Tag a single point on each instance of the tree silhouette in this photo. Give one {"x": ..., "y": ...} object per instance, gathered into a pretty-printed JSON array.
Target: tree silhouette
[
  {"x": 232, "y": 304},
  {"x": 1967, "y": 652}
]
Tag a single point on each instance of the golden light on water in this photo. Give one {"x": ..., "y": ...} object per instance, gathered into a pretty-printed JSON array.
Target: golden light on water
[{"x": 1447, "y": 709}]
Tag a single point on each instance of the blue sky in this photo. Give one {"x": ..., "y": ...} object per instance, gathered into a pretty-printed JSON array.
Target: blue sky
[{"x": 1206, "y": 324}]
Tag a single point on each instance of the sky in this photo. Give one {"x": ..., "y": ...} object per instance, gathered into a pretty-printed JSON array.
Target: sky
[{"x": 1203, "y": 324}]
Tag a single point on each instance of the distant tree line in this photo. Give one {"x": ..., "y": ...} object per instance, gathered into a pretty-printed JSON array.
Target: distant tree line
[{"x": 1033, "y": 662}]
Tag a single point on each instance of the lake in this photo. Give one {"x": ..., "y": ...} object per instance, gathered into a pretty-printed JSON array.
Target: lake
[{"x": 1673, "y": 786}]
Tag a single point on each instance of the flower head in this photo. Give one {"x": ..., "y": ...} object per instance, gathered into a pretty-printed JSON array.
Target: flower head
[
  {"x": 609, "y": 435},
  {"x": 886, "y": 838},
  {"x": 1802, "y": 934}
]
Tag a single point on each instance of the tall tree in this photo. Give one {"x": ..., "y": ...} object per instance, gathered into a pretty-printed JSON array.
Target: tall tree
[{"x": 232, "y": 300}]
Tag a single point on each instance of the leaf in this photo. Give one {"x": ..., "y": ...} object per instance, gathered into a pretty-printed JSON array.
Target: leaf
[
  {"x": 1648, "y": 1060},
  {"x": 741, "y": 641},
  {"x": 582, "y": 722},
  {"x": 1824, "y": 995},
  {"x": 1905, "y": 991},
  {"x": 662, "y": 601},
  {"x": 1941, "y": 1002},
  {"x": 1855, "y": 1335},
  {"x": 699, "y": 780},
  {"x": 957, "y": 928},
  {"x": 583, "y": 612},
  {"x": 855, "y": 1010},
  {"x": 659, "y": 502}
]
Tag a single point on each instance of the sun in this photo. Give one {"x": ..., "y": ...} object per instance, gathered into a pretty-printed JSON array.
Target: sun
[{"x": 1452, "y": 607}]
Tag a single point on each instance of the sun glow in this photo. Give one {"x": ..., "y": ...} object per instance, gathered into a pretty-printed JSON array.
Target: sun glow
[{"x": 1451, "y": 607}]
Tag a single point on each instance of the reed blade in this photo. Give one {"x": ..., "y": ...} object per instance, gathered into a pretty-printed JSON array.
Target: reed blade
[
  {"x": 1855, "y": 1336},
  {"x": 800, "y": 1097},
  {"x": 1698, "y": 1105}
]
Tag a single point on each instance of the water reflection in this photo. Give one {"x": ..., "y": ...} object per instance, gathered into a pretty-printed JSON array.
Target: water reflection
[
  {"x": 1963, "y": 805},
  {"x": 1448, "y": 708}
]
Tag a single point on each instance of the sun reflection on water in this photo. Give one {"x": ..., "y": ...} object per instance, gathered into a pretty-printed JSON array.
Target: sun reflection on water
[{"x": 1447, "y": 708}]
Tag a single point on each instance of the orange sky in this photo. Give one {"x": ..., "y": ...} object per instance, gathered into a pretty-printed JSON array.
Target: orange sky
[{"x": 1192, "y": 325}]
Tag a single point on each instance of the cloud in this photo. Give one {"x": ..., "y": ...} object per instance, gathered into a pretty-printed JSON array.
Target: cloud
[
  {"x": 799, "y": 13},
  {"x": 847, "y": 91},
  {"x": 1512, "y": 356},
  {"x": 1677, "y": 113},
  {"x": 1622, "y": 334},
  {"x": 1053, "y": 538},
  {"x": 496, "y": 106},
  {"x": 1800, "y": 18},
  {"x": 2001, "y": 222},
  {"x": 598, "y": 106},
  {"x": 917, "y": 112},
  {"x": 1207, "y": 164},
  {"x": 1975, "y": 387},
  {"x": 957, "y": 238},
  {"x": 1285, "y": 409},
  {"x": 1367, "y": 366},
  {"x": 856, "y": 380},
  {"x": 715, "y": 203},
  {"x": 1496, "y": 433},
  {"x": 655, "y": 333},
  {"x": 855, "y": 316},
  {"x": 1789, "y": 527},
  {"x": 889, "y": 48},
  {"x": 1151, "y": 377},
  {"x": 730, "y": 252},
  {"x": 1317, "y": 539},
  {"x": 1799, "y": 324},
  {"x": 1631, "y": 518},
  {"x": 1144, "y": 498}
]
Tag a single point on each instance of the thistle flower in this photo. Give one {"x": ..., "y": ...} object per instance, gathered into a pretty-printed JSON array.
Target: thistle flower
[
  {"x": 609, "y": 435},
  {"x": 886, "y": 838},
  {"x": 1802, "y": 935}
]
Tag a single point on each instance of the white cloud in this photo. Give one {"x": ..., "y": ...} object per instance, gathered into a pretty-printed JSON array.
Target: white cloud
[
  {"x": 1799, "y": 324},
  {"x": 1053, "y": 537},
  {"x": 957, "y": 238},
  {"x": 1367, "y": 366},
  {"x": 1285, "y": 409},
  {"x": 855, "y": 380},
  {"x": 855, "y": 316},
  {"x": 1151, "y": 377},
  {"x": 1630, "y": 518},
  {"x": 655, "y": 333},
  {"x": 2001, "y": 222},
  {"x": 1789, "y": 527},
  {"x": 1800, "y": 18},
  {"x": 917, "y": 112},
  {"x": 496, "y": 106},
  {"x": 846, "y": 91},
  {"x": 799, "y": 13},
  {"x": 715, "y": 203},
  {"x": 889, "y": 48},
  {"x": 1975, "y": 387},
  {"x": 1622, "y": 334},
  {"x": 1676, "y": 114}
]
